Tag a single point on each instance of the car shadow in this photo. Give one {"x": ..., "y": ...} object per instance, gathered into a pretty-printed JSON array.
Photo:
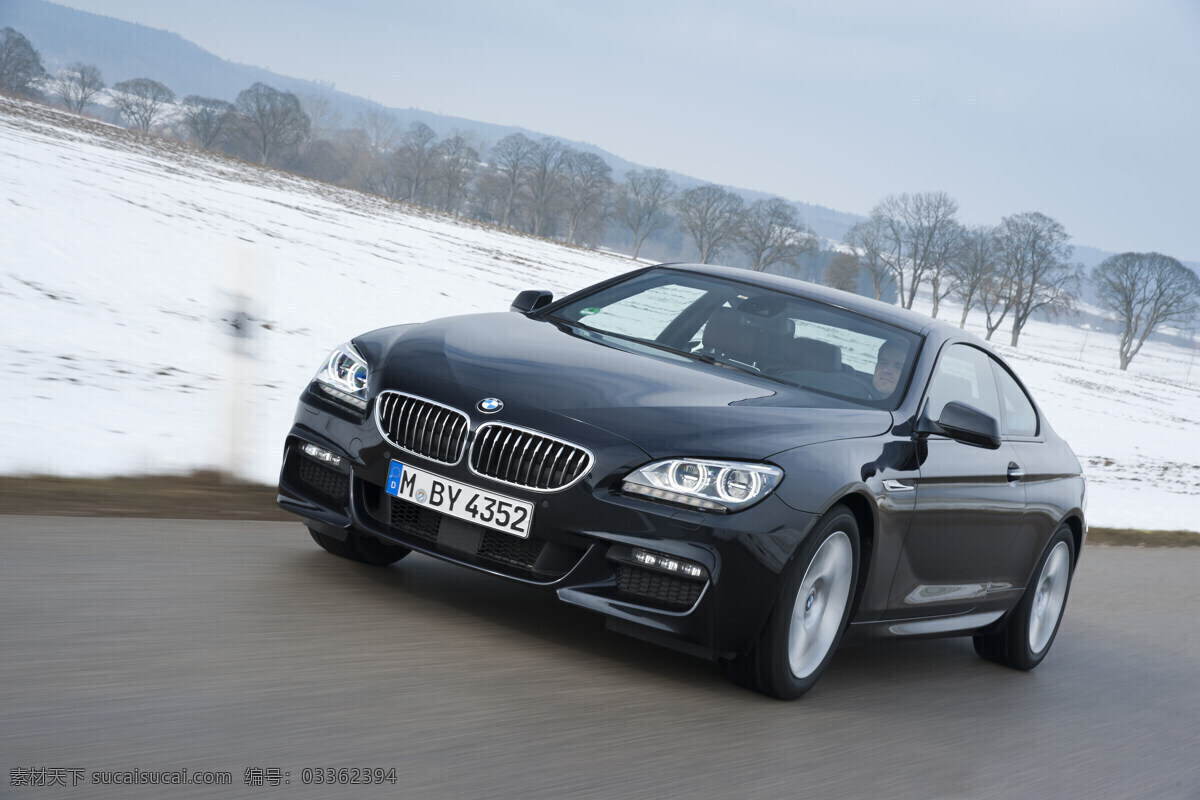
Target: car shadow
[{"x": 421, "y": 582}]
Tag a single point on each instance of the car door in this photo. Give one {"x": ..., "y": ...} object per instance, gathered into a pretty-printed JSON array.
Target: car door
[
  {"x": 1021, "y": 429},
  {"x": 968, "y": 501}
]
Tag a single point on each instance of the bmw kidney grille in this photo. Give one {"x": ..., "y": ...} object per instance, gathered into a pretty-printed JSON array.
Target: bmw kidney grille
[{"x": 506, "y": 453}]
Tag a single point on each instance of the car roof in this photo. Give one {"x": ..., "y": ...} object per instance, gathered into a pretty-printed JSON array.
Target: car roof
[{"x": 885, "y": 312}]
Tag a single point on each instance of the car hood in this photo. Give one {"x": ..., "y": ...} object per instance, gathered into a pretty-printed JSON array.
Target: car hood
[{"x": 666, "y": 405}]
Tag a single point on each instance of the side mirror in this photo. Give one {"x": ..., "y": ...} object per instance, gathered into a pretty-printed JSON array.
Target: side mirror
[
  {"x": 531, "y": 300},
  {"x": 965, "y": 424}
]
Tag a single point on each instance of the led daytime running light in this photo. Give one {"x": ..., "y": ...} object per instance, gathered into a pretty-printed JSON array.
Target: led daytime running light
[
  {"x": 321, "y": 454},
  {"x": 667, "y": 563},
  {"x": 706, "y": 484}
]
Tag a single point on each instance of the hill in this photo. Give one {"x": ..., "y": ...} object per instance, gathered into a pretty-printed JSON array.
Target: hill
[{"x": 124, "y": 50}]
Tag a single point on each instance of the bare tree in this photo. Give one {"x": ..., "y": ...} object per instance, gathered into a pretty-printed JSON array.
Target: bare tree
[
  {"x": 870, "y": 240},
  {"x": 1145, "y": 291},
  {"x": 323, "y": 116},
  {"x": 587, "y": 184},
  {"x": 274, "y": 123},
  {"x": 713, "y": 217},
  {"x": 77, "y": 84},
  {"x": 545, "y": 181},
  {"x": 919, "y": 234},
  {"x": 843, "y": 272},
  {"x": 642, "y": 204},
  {"x": 996, "y": 298},
  {"x": 20, "y": 65},
  {"x": 772, "y": 233},
  {"x": 972, "y": 266},
  {"x": 142, "y": 101},
  {"x": 380, "y": 134},
  {"x": 414, "y": 161},
  {"x": 206, "y": 118},
  {"x": 457, "y": 161},
  {"x": 1034, "y": 254},
  {"x": 941, "y": 250},
  {"x": 510, "y": 162}
]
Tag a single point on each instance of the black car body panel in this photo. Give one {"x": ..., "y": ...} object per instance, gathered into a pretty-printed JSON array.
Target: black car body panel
[{"x": 951, "y": 533}]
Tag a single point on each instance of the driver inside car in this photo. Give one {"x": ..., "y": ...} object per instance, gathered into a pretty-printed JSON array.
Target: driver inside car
[{"x": 889, "y": 366}]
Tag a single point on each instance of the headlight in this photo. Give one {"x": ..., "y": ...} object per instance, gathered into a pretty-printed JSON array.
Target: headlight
[
  {"x": 705, "y": 484},
  {"x": 344, "y": 376}
]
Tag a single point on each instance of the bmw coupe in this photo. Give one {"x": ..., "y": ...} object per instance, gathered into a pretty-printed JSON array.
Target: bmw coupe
[{"x": 749, "y": 468}]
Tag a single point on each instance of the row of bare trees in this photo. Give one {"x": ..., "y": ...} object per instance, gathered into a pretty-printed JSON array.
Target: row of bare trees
[
  {"x": 767, "y": 232},
  {"x": 1010, "y": 271},
  {"x": 538, "y": 186}
]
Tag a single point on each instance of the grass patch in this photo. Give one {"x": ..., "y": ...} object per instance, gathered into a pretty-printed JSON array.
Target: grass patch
[
  {"x": 211, "y": 495},
  {"x": 1134, "y": 538},
  {"x": 200, "y": 495}
]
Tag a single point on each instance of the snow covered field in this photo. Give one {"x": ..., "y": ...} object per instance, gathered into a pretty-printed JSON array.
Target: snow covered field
[{"x": 122, "y": 257}]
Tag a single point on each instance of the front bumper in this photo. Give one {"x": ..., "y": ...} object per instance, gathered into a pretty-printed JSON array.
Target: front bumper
[{"x": 582, "y": 540}]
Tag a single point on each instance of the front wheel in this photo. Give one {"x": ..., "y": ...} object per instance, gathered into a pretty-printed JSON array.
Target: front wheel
[
  {"x": 810, "y": 616},
  {"x": 365, "y": 549},
  {"x": 1026, "y": 636}
]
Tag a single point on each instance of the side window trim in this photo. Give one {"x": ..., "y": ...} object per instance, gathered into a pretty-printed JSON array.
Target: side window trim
[
  {"x": 947, "y": 348},
  {"x": 1001, "y": 372}
]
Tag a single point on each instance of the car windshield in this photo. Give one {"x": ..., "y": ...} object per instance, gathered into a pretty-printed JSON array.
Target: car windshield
[{"x": 779, "y": 336}]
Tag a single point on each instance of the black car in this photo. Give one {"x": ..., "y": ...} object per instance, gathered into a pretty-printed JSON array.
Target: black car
[{"x": 745, "y": 467}]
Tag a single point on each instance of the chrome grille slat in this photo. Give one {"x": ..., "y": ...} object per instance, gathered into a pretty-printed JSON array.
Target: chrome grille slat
[
  {"x": 445, "y": 435},
  {"x": 421, "y": 426},
  {"x": 504, "y": 447},
  {"x": 549, "y": 466},
  {"x": 527, "y": 458},
  {"x": 436, "y": 429},
  {"x": 528, "y": 441},
  {"x": 533, "y": 457}
]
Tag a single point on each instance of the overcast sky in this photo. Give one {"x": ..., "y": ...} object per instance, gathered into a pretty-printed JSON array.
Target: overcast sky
[{"x": 1085, "y": 110}]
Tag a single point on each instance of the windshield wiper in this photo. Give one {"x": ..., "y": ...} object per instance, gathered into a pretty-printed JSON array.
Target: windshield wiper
[{"x": 703, "y": 358}]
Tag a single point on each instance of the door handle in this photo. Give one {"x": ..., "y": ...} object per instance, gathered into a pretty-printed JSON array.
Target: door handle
[{"x": 1015, "y": 473}]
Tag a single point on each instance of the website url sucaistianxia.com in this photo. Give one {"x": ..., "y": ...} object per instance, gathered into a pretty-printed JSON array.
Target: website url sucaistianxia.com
[{"x": 68, "y": 776}]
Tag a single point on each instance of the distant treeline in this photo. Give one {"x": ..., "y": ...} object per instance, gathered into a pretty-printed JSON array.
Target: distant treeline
[{"x": 1012, "y": 271}]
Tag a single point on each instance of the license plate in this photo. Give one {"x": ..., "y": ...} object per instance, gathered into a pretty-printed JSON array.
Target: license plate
[{"x": 455, "y": 499}]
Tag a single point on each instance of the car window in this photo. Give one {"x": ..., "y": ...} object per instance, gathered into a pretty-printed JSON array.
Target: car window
[
  {"x": 964, "y": 375},
  {"x": 783, "y": 337},
  {"x": 1019, "y": 417},
  {"x": 858, "y": 349},
  {"x": 644, "y": 315}
]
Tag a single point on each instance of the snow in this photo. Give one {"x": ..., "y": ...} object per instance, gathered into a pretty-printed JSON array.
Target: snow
[{"x": 124, "y": 257}]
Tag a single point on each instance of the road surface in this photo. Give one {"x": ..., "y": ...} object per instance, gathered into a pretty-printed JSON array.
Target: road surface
[{"x": 241, "y": 648}]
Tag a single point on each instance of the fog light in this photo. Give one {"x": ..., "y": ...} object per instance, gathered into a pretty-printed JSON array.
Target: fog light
[
  {"x": 668, "y": 563},
  {"x": 322, "y": 455}
]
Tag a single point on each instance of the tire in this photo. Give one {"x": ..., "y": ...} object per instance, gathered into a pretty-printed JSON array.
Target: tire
[
  {"x": 1025, "y": 637},
  {"x": 810, "y": 615},
  {"x": 364, "y": 549}
]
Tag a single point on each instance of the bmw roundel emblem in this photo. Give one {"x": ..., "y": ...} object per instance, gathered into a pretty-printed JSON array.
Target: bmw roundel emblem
[{"x": 490, "y": 405}]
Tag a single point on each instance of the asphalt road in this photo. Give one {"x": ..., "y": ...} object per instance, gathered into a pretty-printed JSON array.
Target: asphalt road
[{"x": 225, "y": 646}]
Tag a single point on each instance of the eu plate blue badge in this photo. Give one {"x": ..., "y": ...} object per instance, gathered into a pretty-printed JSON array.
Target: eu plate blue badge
[{"x": 393, "y": 484}]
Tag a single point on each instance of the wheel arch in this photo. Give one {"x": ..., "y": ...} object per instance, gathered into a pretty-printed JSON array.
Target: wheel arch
[
  {"x": 1075, "y": 523},
  {"x": 864, "y": 516}
]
